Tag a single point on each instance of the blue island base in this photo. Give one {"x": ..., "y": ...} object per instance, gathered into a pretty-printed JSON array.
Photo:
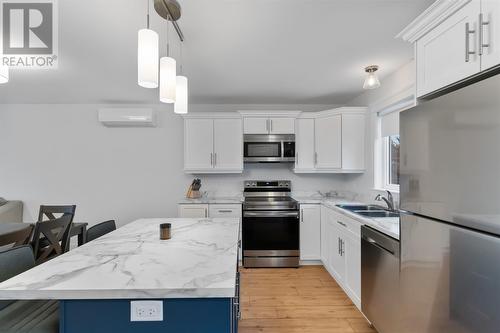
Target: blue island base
[{"x": 180, "y": 315}]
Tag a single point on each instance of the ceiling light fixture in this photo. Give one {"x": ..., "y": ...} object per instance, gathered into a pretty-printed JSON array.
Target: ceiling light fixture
[
  {"x": 168, "y": 73},
  {"x": 147, "y": 56},
  {"x": 181, "y": 98},
  {"x": 371, "y": 81},
  {"x": 4, "y": 74}
]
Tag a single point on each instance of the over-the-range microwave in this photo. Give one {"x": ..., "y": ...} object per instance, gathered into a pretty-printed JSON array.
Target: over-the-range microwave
[{"x": 264, "y": 148}]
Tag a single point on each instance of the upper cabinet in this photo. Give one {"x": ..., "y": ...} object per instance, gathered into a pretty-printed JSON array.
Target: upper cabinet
[
  {"x": 213, "y": 144},
  {"x": 270, "y": 122},
  {"x": 331, "y": 141},
  {"x": 454, "y": 40}
]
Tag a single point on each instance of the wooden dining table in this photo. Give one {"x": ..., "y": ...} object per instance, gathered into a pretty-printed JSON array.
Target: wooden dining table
[{"x": 78, "y": 229}]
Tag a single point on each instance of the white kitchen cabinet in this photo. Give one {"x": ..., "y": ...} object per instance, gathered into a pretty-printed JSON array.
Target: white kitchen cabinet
[
  {"x": 304, "y": 145},
  {"x": 490, "y": 10},
  {"x": 310, "y": 232},
  {"x": 353, "y": 142},
  {"x": 213, "y": 145},
  {"x": 281, "y": 125},
  {"x": 269, "y": 125},
  {"x": 341, "y": 251},
  {"x": 199, "y": 144},
  {"x": 193, "y": 211},
  {"x": 328, "y": 142},
  {"x": 352, "y": 245},
  {"x": 228, "y": 145},
  {"x": 442, "y": 56},
  {"x": 224, "y": 210},
  {"x": 256, "y": 126}
]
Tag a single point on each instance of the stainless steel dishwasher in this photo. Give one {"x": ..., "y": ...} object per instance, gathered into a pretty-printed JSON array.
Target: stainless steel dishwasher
[{"x": 380, "y": 279}]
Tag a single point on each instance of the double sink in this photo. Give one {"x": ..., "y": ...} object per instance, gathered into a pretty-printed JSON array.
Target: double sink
[{"x": 373, "y": 211}]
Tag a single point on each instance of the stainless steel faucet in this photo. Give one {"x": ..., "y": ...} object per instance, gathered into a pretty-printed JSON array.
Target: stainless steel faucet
[{"x": 389, "y": 200}]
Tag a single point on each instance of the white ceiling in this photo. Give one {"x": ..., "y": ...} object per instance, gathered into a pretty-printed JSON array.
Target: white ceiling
[{"x": 236, "y": 51}]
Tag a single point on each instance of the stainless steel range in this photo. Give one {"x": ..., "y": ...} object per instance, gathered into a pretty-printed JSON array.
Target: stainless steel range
[{"x": 270, "y": 225}]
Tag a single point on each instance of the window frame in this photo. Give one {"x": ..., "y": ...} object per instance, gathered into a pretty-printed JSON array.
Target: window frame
[{"x": 386, "y": 167}]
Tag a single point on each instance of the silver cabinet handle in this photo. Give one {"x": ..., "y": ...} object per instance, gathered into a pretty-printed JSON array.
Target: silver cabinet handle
[
  {"x": 338, "y": 242},
  {"x": 267, "y": 126},
  {"x": 482, "y": 44},
  {"x": 301, "y": 215},
  {"x": 271, "y": 125},
  {"x": 206, "y": 213},
  {"x": 215, "y": 159},
  {"x": 212, "y": 159},
  {"x": 315, "y": 158},
  {"x": 225, "y": 211},
  {"x": 342, "y": 247},
  {"x": 342, "y": 224},
  {"x": 468, "y": 32}
]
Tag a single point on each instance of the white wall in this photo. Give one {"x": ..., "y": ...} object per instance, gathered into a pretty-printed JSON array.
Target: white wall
[
  {"x": 393, "y": 85},
  {"x": 60, "y": 154}
]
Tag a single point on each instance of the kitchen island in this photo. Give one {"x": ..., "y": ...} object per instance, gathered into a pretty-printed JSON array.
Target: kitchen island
[{"x": 194, "y": 276}]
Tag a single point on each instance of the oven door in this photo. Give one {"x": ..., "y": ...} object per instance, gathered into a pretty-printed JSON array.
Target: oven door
[{"x": 271, "y": 238}]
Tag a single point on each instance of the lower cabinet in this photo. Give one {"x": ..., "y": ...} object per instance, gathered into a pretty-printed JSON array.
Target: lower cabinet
[
  {"x": 310, "y": 232},
  {"x": 341, "y": 251},
  {"x": 193, "y": 211}
]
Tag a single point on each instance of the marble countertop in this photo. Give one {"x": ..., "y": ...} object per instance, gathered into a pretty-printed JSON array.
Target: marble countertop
[
  {"x": 388, "y": 226},
  {"x": 133, "y": 263}
]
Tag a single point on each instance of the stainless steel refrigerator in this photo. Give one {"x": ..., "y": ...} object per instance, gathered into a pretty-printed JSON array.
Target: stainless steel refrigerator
[{"x": 450, "y": 184}]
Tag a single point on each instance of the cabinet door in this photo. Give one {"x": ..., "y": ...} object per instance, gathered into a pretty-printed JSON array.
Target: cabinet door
[
  {"x": 228, "y": 145},
  {"x": 441, "y": 54},
  {"x": 491, "y": 33},
  {"x": 256, "y": 126},
  {"x": 353, "y": 142},
  {"x": 310, "y": 231},
  {"x": 328, "y": 142},
  {"x": 325, "y": 241},
  {"x": 337, "y": 259},
  {"x": 193, "y": 211},
  {"x": 352, "y": 250},
  {"x": 198, "y": 144},
  {"x": 304, "y": 144},
  {"x": 282, "y": 125}
]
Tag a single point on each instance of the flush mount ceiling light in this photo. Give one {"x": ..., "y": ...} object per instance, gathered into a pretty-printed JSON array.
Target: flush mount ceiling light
[
  {"x": 147, "y": 56},
  {"x": 371, "y": 81},
  {"x": 4, "y": 74}
]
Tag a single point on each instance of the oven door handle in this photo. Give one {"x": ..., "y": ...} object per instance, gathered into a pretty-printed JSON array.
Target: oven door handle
[{"x": 271, "y": 214}]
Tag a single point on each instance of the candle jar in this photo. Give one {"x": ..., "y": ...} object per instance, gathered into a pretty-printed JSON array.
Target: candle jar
[{"x": 165, "y": 231}]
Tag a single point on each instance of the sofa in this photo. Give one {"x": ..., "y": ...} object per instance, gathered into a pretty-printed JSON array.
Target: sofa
[{"x": 11, "y": 212}]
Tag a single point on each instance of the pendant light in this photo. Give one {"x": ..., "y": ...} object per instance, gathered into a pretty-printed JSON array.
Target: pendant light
[
  {"x": 4, "y": 74},
  {"x": 168, "y": 72},
  {"x": 181, "y": 98},
  {"x": 371, "y": 81},
  {"x": 147, "y": 56}
]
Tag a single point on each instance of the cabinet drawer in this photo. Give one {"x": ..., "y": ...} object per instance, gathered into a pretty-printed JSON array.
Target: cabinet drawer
[
  {"x": 193, "y": 210},
  {"x": 348, "y": 223},
  {"x": 220, "y": 210}
]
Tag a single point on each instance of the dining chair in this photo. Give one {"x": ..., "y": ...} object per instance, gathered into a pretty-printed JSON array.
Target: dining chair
[
  {"x": 51, "y": 212},
  {"x": 100, "y": 229},
  {"x": 16, "y": 238},
  {"x": 24, "y": 316},
  {"x": 50, "y": 238}
]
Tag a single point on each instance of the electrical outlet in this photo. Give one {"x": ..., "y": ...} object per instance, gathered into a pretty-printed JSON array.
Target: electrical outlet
[{"x": 146, "y": 310}]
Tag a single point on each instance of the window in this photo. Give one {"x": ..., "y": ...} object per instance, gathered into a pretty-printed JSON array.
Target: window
[{"x": 392, "y": 162}]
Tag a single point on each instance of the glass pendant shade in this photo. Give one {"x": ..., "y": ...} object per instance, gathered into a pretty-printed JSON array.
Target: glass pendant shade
[
  {"x": 4, "y": 74},
  {"x": 181, "y": 99},
  {"x": 371, "y": 81},
  {"x": 147, "y": 58},
  {"x": 168, "y": 80}
]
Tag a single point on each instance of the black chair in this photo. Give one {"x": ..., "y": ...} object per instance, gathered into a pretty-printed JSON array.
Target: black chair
[
  {"x": 48, "y": 212},
  {"x": 24, "y": 316},
  {"x": 17, "y": 237},
  {"x": 100, "y": 229},
  {"x": 51, "y": 238}
]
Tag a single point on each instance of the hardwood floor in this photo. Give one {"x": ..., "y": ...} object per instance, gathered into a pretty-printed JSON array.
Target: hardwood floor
[{"x": 289, "y": 300}]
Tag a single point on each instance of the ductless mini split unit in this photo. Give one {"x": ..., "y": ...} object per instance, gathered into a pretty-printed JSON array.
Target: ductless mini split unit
[{"x": 127, "y": 117}]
